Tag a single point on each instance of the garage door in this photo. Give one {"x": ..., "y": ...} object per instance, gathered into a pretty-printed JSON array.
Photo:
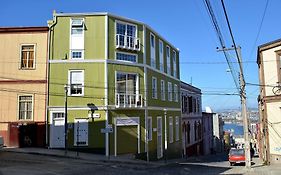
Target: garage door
[{"x": 127, "y": 139}]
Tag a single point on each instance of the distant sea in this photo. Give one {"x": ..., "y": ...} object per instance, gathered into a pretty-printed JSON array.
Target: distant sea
[{"x": 237, "y": 129}]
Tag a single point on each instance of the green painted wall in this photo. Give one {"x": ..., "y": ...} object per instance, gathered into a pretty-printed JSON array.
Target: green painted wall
[
  {"x": 94, "y": 38},
  {"x": 112, "y": 68},
  {"x": 93, "y": 82},
  {"x": 112, "y": 35}
]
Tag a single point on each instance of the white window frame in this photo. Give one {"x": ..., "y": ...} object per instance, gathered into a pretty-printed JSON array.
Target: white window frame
[
  {"x": 174, "y": 56},
  {"x": 32, "y": 105},
  {"x": 168, "y": 60},
  {"x": 152, "y": 53},
  {"x": 163, "y": 94},
  {"x": 126, "y": 31},
  {"x": 34, "y": 62},
  {"x": 176, "y": 91},
  {"x": 126, "y": 53},
  {"x": 154, "y": 89},
  {"x": 161, "y": 55},
  {"x": 177, "y": 128},
  {"x": 82, "y": 35},
  {"x": 69, "y": 83},
  {"x": 170, "y": 92},
  {"x": 171, "y": 129},
  {"x": 149, "y": 128}
]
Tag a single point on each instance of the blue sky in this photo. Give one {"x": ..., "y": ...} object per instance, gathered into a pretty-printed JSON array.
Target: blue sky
[{"x": 186, "y": 24}]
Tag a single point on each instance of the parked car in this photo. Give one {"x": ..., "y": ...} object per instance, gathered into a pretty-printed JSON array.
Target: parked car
[
  {"x": 236, "y": 156},
  {"x": 1, "y": 142}
]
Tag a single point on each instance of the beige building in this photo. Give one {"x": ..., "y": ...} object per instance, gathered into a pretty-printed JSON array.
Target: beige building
[
  {"x": 268, "y": 60},
  {"x": 23, "y": 85}
]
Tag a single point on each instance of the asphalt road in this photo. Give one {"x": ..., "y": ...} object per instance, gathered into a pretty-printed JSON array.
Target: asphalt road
[{"x": 28, "y": 164}]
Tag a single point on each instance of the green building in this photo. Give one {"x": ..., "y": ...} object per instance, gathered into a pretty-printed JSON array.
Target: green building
[{"x": 122, "y": 82}]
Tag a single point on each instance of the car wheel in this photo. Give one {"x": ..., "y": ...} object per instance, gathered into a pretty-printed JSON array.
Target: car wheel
[{"x": 231, "y": 163}]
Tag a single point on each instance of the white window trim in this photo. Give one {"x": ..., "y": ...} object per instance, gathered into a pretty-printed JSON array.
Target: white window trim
[
  {"x": 69, "y": 83},
  {"x": 127, "y": 53},
  {"x": 125, "y": 23},
  {"x": 161, "y": 57},
  {"x": 154, "y": 93},
  {"x": 170, "y": 91},
  {"x": 171, "y": 129},
  {"x": 176, "y": 91},
  {"x": 177, "y": 127},
  {"x": 34, "y": 63},
  {"x": 174, "y": 63},
  {"x": 77, "y": 50},
  {"x": 154, "y": 66},
  {"x": 83, "y": 35},
  {"x": 137, "y": 81},
  {"x": 149, "y": 137},
  {"x": 163, "y": 94},
  {"x": 168, "y": 60},
  {"x": 18, "y": 106}
]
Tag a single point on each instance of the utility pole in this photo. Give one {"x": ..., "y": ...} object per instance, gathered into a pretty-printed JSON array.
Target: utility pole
[
  {"x": 166, "y": 139},
  {"x": 65, "y": 118},
  {"x": 242, "y": 92}
]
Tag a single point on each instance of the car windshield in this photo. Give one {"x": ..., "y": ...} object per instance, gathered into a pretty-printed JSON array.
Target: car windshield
[{"x": 236, "y": 152}]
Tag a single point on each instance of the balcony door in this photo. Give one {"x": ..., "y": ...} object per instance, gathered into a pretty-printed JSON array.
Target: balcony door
[{"x": 126, "y": 89}]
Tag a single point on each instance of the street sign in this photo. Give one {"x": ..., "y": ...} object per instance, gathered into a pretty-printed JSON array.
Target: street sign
[{"x": 106, "y": 130}]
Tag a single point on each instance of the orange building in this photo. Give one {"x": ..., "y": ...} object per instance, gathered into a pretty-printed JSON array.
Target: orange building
[{"x": 23, "y": 85}]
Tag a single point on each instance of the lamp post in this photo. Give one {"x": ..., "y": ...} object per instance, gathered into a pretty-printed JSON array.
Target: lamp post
[{"x": 65, "y": 118}]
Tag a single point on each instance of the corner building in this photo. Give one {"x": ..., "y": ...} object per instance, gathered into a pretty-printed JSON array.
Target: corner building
[{"x": 119, "y": 74}]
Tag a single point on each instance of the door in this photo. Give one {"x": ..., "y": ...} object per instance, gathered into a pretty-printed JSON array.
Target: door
[
  {"x": 57, "y": 130},
  {"x": 159, "y": 138},
  {"x": 81, "y": 132}
]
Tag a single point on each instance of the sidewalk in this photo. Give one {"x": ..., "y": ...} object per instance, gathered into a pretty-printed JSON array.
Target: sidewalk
[{"x": 128, "y": 159}]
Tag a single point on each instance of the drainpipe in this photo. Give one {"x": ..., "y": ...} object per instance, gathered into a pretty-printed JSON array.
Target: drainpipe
[{"x": 50, "y": 25}]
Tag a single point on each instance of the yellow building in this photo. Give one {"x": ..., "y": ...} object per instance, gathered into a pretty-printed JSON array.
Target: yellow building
[{"x": 23, "y": 85}]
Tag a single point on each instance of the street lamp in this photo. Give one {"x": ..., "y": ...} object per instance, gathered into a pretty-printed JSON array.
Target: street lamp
[{"x": 65, "y": 118}]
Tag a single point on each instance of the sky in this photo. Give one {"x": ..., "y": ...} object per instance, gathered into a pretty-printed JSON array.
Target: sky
[{"x": 187, "y": 25}]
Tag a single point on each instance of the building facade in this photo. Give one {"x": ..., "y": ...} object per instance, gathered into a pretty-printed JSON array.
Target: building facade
[
  {"x": 207, "y": 119},
  {"x": 121, "y": 80},
  {"x": 23, "y": 85},
  {"x": 268, "y": 60},
  {"x": 218, "y": 133},
  {"x": 192, "y": 138}
]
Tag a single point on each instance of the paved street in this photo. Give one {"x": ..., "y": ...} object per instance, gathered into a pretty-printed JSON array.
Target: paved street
[{"x": 12, "y": 163}]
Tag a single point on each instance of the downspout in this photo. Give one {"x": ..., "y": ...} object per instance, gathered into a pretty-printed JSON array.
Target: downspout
[{"x": 50, "y": 25}]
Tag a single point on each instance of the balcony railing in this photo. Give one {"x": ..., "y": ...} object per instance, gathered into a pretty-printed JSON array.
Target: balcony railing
[
  {"x": 128, "y": 100},
  {"x": 127, "y": 42}
]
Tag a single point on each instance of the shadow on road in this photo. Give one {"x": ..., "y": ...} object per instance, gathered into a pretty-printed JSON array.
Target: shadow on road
[{"x": 219, "y": 157}]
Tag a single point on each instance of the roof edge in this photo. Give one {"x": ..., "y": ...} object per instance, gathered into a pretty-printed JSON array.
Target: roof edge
[{"x": 24, "y": 29}]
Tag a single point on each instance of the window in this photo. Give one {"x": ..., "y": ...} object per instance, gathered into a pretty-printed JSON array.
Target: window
[
  {"x": 195, "y": 131},
  {"x": 176, "y": 93},
  {"x": 188, "y": 132},
  {"x": 77, "y": 26},
  {"x": 161, "y": 57},
  {"x": 77, "y": 54},
  {"x": 77, "y": 39},
  {"x": 190, "y": 104},
  {"x": 175, "y": 63},
  {"x": 154, "y": 88},
  {"x": 149, "y": 128},
  {"x": 126, "y": 36},
  {"x": 163, "y": 90},
  {"x": 170, "y": 92},
  {"x": 177, "y": 126},
  {"x": 76, "y": 81},
  {"x": 127, "y": 89},
  {"x": 27, "y": 57},
  {"x": 152, "y": 50},
  {"x": 58, "y": 115},
  {"x": 126, "y": 57},
  {"x": 25, "y": 107},
  {"x": 168, "y": 60},
  {"x": 171, "y": 130}
]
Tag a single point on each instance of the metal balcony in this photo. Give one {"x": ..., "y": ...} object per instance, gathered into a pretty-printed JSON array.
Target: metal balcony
[
  {"x": 127, "y": 42},
  {"x": 128, "y": 100}
]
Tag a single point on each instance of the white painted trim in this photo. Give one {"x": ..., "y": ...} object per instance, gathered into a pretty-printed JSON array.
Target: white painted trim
[
  {"x": 51, "y": 119},
  {"x": 161, "y": 59},
  {"x": 154, "y": 96},
  {"x": 18, "y": 107},
  {"x": 74, "y": 108},
  {"x": 152, "y": 50},
  {"x": 164, "y": 90},
  {"x": 107, "y": 152},
  {"x": 69, "y": 83},
  {"x": 78, "y": 61},
  {"x": 126, "y": 53},
  {"x": 70, "y": 40},
  {"x": 145, "y": 90},
  {"x": 35, "y": 52},
  {"x": 162, "y": 108},
  {"x": 127, "y": 63},
  {"x": 171, "y": 129}
]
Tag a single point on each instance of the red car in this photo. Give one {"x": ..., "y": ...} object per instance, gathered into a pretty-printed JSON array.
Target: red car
[{"x": 236, "y": 156}]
